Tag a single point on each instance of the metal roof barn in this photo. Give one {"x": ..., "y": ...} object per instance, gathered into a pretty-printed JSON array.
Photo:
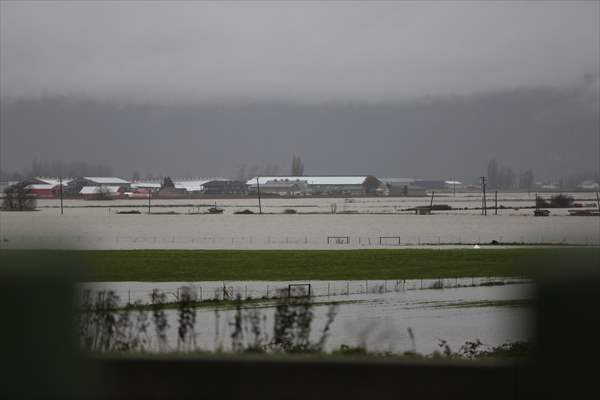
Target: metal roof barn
[
  {"x": 41, "y": 187},
  {"x": 104, "y": 180},
  {"x": 98, "y": 189},
  {"x": 153, "y": 185},
  {"x": 196, "y": 185},
  {"x": 312, "y": 180}
]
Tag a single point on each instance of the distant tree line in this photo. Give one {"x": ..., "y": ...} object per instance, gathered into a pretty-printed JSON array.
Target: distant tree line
[
  {"x": 500, "y": 177},
  {"x": 572, "y": 180},
  {"x": 59, "y": 168},
  {"x": 245, "y": 171}
]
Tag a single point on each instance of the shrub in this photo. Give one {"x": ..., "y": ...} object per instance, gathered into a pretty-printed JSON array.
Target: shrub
[{"x": 18, "y": 198}]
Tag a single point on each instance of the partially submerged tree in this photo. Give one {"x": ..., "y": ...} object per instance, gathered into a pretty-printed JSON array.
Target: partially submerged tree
[
  {"x": 167, "y": 183},
  {"x": 558, "y": 201},
  {"x": 371, "y": 184},
  {"x": 18, "y": 198},
  {"x": 103, "y": 193},
  {"x": 561, "y": 201}
]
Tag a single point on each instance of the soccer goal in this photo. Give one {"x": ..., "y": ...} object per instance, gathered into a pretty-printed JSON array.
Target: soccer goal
[
  {"x": 338, "y": 239},
  {"x": 299, "y": 290},
  {"x": 389, "y": 240}
]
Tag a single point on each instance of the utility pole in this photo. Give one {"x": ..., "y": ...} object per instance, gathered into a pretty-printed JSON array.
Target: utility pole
[
  {"x": 483, "y": 199},
  {"x": 496, "y": 202},
  {"x": 431, "y": 202},
  {"x": 258, "y": 192},
  {"x": 149, "y": 197},
  {"x": 60, "y": 183}
]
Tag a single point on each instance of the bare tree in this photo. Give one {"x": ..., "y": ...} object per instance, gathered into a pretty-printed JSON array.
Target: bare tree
[
  {"x": 297, "y": 166},
  {"x": 492, "y": 173},
  {"x": 270, "y": 169},
  {"x": 241, "y": 172}
]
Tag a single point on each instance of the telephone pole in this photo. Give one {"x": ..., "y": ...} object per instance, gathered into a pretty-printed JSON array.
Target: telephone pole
[
  {"x": 483, "y": 199},
  {"x": 60, "y": 184},
  {"x": 496, "y": 202},
  {"x": 258, "y": 192}
]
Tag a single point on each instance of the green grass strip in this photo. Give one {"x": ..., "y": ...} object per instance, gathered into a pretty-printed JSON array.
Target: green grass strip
[{"x": 286, "y": 265}]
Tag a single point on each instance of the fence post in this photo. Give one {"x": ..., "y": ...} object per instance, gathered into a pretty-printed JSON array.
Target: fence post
[
  {"x": 328, "y": 288},
  {"x": 200, "y": 293}
]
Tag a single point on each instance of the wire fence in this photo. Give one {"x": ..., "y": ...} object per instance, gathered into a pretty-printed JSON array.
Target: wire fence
[
  {"x": 333, "y": 241},
  {"x": 211, "y": 292}
]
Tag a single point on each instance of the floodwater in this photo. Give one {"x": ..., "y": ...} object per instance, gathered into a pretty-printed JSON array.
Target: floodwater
[
  {"x": 380, "y": 320},
  {"x": 358, "y": 223}
]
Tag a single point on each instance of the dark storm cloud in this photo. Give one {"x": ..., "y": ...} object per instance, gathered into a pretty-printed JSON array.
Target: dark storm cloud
[
  {"x": 190, "y": 51},
  {"x": 394, "y": 88}
]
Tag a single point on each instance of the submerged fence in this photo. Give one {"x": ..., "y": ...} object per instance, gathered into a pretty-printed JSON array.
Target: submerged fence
[{"x": 141, "y": 293}]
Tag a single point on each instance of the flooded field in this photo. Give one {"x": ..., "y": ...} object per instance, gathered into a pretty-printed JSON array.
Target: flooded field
[
  {"x": 357, "y": 223},
  {"x": 378, "y": 320}
]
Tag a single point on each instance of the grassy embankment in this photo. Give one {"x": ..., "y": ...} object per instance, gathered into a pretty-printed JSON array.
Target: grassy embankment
[{"x": 286, "y": 265}]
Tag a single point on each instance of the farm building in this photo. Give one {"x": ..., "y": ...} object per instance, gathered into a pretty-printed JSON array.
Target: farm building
[
  {"x": 101, "y": 192},
  {"x": 74, "y": 187},
  {"x": 282, "y": 187},
  {"x": 191, "y": 186},
  {"x": 44, "y": 188},
  {"x": 44, "y": 191},
  {"x": 154, "y": 185},
  {"x": 226, "y": 187},
  {"x": 430, "y": 184},
  {"x": 323, "y": 185},
  {"x": 208, "y": 186},
  {"x": 402, "y": 187},
  {"x": 454, "y": 185}
]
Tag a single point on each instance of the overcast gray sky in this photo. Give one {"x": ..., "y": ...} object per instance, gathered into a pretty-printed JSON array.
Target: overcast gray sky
[{"x": 193, "y": 54}]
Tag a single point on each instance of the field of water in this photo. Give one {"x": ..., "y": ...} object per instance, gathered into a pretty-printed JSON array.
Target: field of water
[
  {"x": 378, "y": 319},
  {"x": 357, "y": 223}
]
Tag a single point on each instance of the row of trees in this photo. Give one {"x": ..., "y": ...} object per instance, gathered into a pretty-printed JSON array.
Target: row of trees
[
  {"x": 245, "y": 172},
  {"x": 59, "y": 168},
  {"x": 500, "y": 177}
]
